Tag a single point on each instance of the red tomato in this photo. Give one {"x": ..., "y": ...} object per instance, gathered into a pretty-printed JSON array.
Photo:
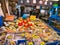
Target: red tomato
[
  {"x": 24, "y": 22},
  {"x": 30, "y": 24},
  {"x": 20, "y": 24},
  {"x": 26, "y": 25}
]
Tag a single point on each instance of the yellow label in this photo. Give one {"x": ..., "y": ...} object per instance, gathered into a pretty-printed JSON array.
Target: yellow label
[
  {"x": 42, "y": 43},
  {"x": 40, "y": 30},
  {"x": 35, "y": 36},
  {"x": 32, "y": 17},
  {"x": 22, "y": 34},
  {"x": 12, "y": 42},
  {"x": 30, "y": 43},
  {"x": 9, "y": 37}
]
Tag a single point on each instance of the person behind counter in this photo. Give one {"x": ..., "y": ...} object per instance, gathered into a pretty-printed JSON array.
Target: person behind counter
[
  {"x": 35, "y": 12},
  {"x": 22, "y": 10},
  {"x": 17, "y": 11}
]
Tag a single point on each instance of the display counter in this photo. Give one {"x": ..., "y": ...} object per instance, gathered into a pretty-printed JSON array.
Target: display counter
[{"x": 28, "y": 32}]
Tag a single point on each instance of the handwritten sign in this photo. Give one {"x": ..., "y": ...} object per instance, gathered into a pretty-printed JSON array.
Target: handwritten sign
[{"x": 32, "y": 17}]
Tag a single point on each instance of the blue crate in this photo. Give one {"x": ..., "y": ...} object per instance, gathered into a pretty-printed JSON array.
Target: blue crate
[
  {"x": 54, "y": 43},
  {"x": 21, "y": 41},
  {"x": 1, "y": 21}
]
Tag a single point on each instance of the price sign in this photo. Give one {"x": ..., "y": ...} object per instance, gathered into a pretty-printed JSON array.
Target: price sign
[
  {"x": 42, "y": 43},
  {"x": 9, "y": 17},
  {"x": 30, "y": 43},
  {"x": 32, "y": 17}
]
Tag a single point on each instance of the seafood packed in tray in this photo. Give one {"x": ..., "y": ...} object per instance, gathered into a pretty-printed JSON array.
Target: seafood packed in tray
[{"x": 34, "y": 32}]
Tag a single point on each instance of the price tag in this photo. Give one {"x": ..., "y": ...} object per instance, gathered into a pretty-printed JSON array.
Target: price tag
[
  {"x": 22, "y": 34},
  {"x": 32, "y": 17},
  {"x": 30, "y": 43},
  {"x": 10, "y": 17},
  {"x": 42, "y": 43}
]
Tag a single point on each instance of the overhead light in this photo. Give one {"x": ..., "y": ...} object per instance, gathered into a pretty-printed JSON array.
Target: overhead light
[
  {"x": 46, "y": 0},
  {"x": 40, "y": 2},
  {"x": 53, "y": 0},
  {"x": 45, "y": 3},
  {"x": 21, "y": 1},
  {"x": 27, "y": 1},
  {"x": 50, "y": 3},
  {"x": 34, "y": 1}
]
